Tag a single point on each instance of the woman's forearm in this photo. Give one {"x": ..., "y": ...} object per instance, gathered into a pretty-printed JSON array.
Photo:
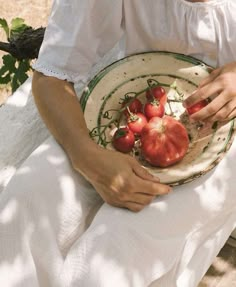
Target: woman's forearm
[{"x": 61, "y": 111}]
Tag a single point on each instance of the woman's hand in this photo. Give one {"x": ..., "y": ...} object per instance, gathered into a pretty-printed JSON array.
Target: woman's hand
[
  {"x": 220, "y": 85},
  {"x": 120, "y": 180}
]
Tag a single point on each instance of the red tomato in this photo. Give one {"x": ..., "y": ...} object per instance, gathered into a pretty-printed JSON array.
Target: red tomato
[
  {"x": 164, "y": 141},
  {"x": 196, "y": 107},
  {"x": 123, "y": 140},
  {"x": 135, "y": 106},
  {"x": 154, "y": 109},
  {"x": 157, "y": 93},
  {"x": 136, "y": 122}
]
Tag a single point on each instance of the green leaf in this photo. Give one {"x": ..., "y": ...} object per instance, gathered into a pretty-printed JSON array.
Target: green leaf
[
  {"x": 14, "y": 84},
  {"x": 20, "y": 75},
  {"x": 22, "y": 70},
  {"x": 18, "y": 24},
  {"x": 17, "y": 28},
  {"x": 14, "y": 72},
  {"x": 6, "y": 79},
  {"x": 8, "y": 69},
  {"x": 4, "y": 26},
  {"x": 10, "y": 62},
  {"x": 3, "y": 70}
]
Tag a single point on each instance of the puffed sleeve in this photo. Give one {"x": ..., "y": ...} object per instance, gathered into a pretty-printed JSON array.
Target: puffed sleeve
[{"x": 78, "y": 34}]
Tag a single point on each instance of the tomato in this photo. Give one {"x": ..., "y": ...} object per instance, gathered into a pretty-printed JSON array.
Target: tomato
[
  {"x": 135, "y": 106},
  {"x": 154, "y": 109},
  {"x": 123, "y": 140},
  {"x": 164, "y": 141},
  {"x": 136, "y": 122},
  {"x": 196, "y": 107},
  {"x": 157, "y": 93}
]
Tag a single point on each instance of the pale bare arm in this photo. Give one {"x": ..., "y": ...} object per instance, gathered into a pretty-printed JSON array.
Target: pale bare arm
[
  {"x": 61, "y": 111},
  {"x": 124, "y": 184}
]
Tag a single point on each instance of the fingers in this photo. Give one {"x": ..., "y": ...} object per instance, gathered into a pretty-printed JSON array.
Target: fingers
[
  {"x": 137, "y": 185},
  {"x": 213, "y": 75},
  {"x": 127, "y": 184},
  {"x": 232, "y": 115},
  {"x": 205, "y": 89},
  {"x": 146, "y": 182},
  {"x": 132, "y": 206},
  {"x": 143, "y": 173},
  {"x": 219, "y": 86},
  {"x": 203, "y": 93},
  {"x": 134, "y": 202},
  {"x": 140, "y": 199},
  {"x": 136, "y": 193},
  {"x": 227, "y": 112},
  {"x": 214, "y": 107},
  {"x": 152, "y": 188}
]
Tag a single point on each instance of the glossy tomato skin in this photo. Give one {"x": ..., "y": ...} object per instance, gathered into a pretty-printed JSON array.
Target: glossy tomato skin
[
  {"x": 196, "y": 107},
  {"x": 153, "y": 109},
  {"x": 136, "y": 122},
  {"x": 158, "y": 93},
  {"x": 164, "y": 141},
  {"x": 123, "y": 140},
  {"x": 135, "y": 106}
]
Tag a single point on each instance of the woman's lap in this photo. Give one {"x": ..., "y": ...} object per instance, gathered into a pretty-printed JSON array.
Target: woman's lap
[
  {"x": 172, "y": 241},
  {"x": 47, "y": 206},
  {"x": 43, "y": 210}
]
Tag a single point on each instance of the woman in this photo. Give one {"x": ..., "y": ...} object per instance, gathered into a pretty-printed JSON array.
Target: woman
[{"x": 66, "y": 234}]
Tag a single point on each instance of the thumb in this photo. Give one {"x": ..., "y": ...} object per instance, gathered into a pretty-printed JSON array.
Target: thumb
[
  {"x": 214, "y": 73},
  {"x": 144, "y": 173}
]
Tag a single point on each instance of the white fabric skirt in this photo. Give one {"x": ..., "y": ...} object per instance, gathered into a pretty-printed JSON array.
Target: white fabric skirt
[{"x": 55, "y": 229}]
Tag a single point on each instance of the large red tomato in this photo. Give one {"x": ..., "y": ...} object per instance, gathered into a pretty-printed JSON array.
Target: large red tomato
[{"x": 164, "y": 141}]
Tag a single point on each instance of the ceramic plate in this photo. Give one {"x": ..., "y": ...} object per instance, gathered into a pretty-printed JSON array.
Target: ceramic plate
[{"x": 179, "y": 75}]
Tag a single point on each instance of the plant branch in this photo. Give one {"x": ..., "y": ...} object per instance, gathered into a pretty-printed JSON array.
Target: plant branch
[
  {"x": 5, "y": 47},
  {"x": 25, "y": 45}
]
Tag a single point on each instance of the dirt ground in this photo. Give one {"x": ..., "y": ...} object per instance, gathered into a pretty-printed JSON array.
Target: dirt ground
[{"x": 34, "y": 12}]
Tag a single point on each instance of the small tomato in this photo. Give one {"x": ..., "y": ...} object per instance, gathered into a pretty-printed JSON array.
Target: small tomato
[
  {"x": 154, "y": 109},
  {"x": 134, "y": 106},
  {"x": 123, "y": 140},
  {"x": 136, "y": 122},
  {"x": 158, "y": 93},
  {"x": 196, "y": 107}
]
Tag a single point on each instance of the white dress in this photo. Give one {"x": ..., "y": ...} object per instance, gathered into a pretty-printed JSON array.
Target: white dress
[{"x": 54, "y": 228}]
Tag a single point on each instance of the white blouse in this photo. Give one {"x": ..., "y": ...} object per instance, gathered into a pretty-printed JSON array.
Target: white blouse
[{"x": 81, "y": 32}]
